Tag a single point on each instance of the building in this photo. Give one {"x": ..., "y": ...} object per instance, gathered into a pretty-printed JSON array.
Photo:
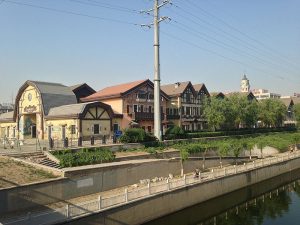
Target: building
[
  {"x": 249, "y": 95},
  {"x": 43, "y": 110},
  {"x": 185, "y": 108},
  {"x": 264, "y": 94},
  {"x": 134, "y": 102},
  {"x": 6, "y": 107},
  {"x": 245, "y": 85},
  {"x": 290, "y": 116}
]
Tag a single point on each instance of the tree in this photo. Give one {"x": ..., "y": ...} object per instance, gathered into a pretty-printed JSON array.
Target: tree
[
  {"x": 250, "y": 116},
  {"x": 261, "y": 143},
  {"x": 296, "y": 140},
  {"x": 184, "y": 155},
  {"x": 223, "y": 149},
  {"x": 236, "y": 147},
  {"x": 272, "y": 112},
  {"x": 248, "y": 144},
  {"x": 214, "y": 112}
]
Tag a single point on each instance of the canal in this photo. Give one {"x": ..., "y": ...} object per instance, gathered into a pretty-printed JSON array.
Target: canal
[{"x": 273, "y": 202}]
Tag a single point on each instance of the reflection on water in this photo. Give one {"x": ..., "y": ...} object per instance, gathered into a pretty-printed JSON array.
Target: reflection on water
[{"x": 274, "y": 202}]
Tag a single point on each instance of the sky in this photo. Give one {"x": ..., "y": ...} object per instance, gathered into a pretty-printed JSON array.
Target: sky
[{"x": 102, "y": 43}]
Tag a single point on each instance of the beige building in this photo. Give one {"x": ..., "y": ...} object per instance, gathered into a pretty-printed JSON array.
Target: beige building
[
  {"x": 134, "y": 101},
  {"x": 43, "y": 110},
  {"x": 264, "y": 94}
]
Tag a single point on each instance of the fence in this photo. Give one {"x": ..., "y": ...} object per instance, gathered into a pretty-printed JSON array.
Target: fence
[
  {"x": 31, "y": 145},
  {"x": 72, "y": 211}
]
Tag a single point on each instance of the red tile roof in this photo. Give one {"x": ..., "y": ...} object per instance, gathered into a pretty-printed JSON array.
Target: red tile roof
[{"x": 113, "y": 91}]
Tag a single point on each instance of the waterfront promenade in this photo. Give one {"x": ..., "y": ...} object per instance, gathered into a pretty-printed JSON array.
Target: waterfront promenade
[{"x": 103, "y": 202}]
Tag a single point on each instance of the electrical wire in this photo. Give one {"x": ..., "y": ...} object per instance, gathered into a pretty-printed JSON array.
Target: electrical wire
[
  {"x": 70, "y": 12},
  {"x": 266, "y": 48}
]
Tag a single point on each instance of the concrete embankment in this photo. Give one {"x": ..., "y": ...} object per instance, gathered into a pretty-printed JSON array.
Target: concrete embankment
[
  {"x": 143, "y": 210},
  {"x": 85, "y": 180}
]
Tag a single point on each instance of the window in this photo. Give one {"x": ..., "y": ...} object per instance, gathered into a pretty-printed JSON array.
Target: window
[
  {"x": 135, "y": 108},
  {"x": 150, "y": 109},
  {"x": 168, "y": 111},
  {"x": 127, "y": 108},
  {"x": 73, "y": 129},
  {"x": 149, "y": 129},
  {"x": 187, "y": 111},
  {"x": 142, "y": 108},
  {"x": 96, "y": 129}
]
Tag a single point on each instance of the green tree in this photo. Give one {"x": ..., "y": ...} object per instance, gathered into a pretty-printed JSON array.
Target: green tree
[
  {"x": 236, "y": 148},
  {"x": 248, "y": 145},
  {"x": 250, "y": 116},
  {"x": 184, "y": 155},
  {"x": 214, "y": 112},
  {"x": 261, "y": 143},
  {"x": 296, "y": 139},
  {"x": 272, "y": 112},
  {"x": 223, "y": 149}
]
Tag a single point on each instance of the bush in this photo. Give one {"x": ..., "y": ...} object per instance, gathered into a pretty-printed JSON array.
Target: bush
[
  {"x": 86, "y": 156},
  {"x": 137, "y": 135},
  {"x": 175, "y": 132}
]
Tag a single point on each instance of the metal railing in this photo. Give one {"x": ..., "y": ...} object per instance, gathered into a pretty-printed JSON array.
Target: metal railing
[{"x": 72, "y": 211}]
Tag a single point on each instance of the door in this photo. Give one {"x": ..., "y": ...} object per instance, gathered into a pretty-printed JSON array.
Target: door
[
  {"x": 63, "y": 133},
  {"x": 49, "y": 132},
  {"x": 33, "y": 131},
  {"x": 116, "y": 127}
]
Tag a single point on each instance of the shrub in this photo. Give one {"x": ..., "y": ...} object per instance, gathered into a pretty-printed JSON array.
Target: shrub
[
  {"x": 175, "y": 132},
  {"x": 137, "y": 135},
  {"x": 86, "y": 156}
]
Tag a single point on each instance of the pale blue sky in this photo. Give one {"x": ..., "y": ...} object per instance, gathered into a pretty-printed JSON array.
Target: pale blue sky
[{"x": 210, "y": 41}]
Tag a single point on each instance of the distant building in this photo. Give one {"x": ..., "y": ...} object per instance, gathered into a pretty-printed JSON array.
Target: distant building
[
  {"x": 297, "y": 95},
  {"x": 6, "y": 107},
  {"x": 245, "y": 84},
  {"x": 264, "y": 94}
]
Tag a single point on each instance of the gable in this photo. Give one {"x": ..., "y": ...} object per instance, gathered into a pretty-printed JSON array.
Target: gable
[{"x": 96, "y": 113}]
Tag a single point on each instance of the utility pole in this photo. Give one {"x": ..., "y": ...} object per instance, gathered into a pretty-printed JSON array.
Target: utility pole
[
  {"x": 157, "y": 97},
  {"x": 157, "y": 108}
]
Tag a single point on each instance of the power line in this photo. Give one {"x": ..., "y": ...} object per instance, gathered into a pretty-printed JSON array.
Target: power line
[
  {"x": 215, "y": 41},
  {"x": 222, "y": 56},
  {"x": 106, "y": 6},
  {"x": 70, "y": 12},
  {"x": 270, "y": 50},
  {"x": 219, "y": 32}
]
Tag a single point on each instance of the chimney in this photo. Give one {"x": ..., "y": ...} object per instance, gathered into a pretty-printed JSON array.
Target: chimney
[{"x": 177, "y": 84}]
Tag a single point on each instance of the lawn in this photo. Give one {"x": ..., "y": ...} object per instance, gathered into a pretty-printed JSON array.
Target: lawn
[{"x": 14, "y": 173}]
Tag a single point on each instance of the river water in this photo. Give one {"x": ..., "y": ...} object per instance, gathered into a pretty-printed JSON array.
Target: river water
[{"x": 273, "y": 202}]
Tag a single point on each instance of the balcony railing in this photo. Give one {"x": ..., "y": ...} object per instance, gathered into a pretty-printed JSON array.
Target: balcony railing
[
  {"x": 173, "y": 117},
  {"x": 137, "y": 116}
]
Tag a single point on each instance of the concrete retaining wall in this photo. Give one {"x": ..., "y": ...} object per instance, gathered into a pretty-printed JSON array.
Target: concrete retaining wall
[
  {"x": 93, "y": 179},
  {"x": 165, "y": 203}
]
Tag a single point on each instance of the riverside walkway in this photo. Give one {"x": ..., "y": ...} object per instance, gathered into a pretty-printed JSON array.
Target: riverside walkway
[{"x": 96, "y": 203}]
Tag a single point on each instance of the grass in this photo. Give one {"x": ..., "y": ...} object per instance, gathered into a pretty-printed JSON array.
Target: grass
[{"x": 13, "y": 173}]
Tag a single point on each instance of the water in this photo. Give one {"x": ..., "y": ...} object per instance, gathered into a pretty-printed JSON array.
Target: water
[{"x": 274, "y": 202}]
